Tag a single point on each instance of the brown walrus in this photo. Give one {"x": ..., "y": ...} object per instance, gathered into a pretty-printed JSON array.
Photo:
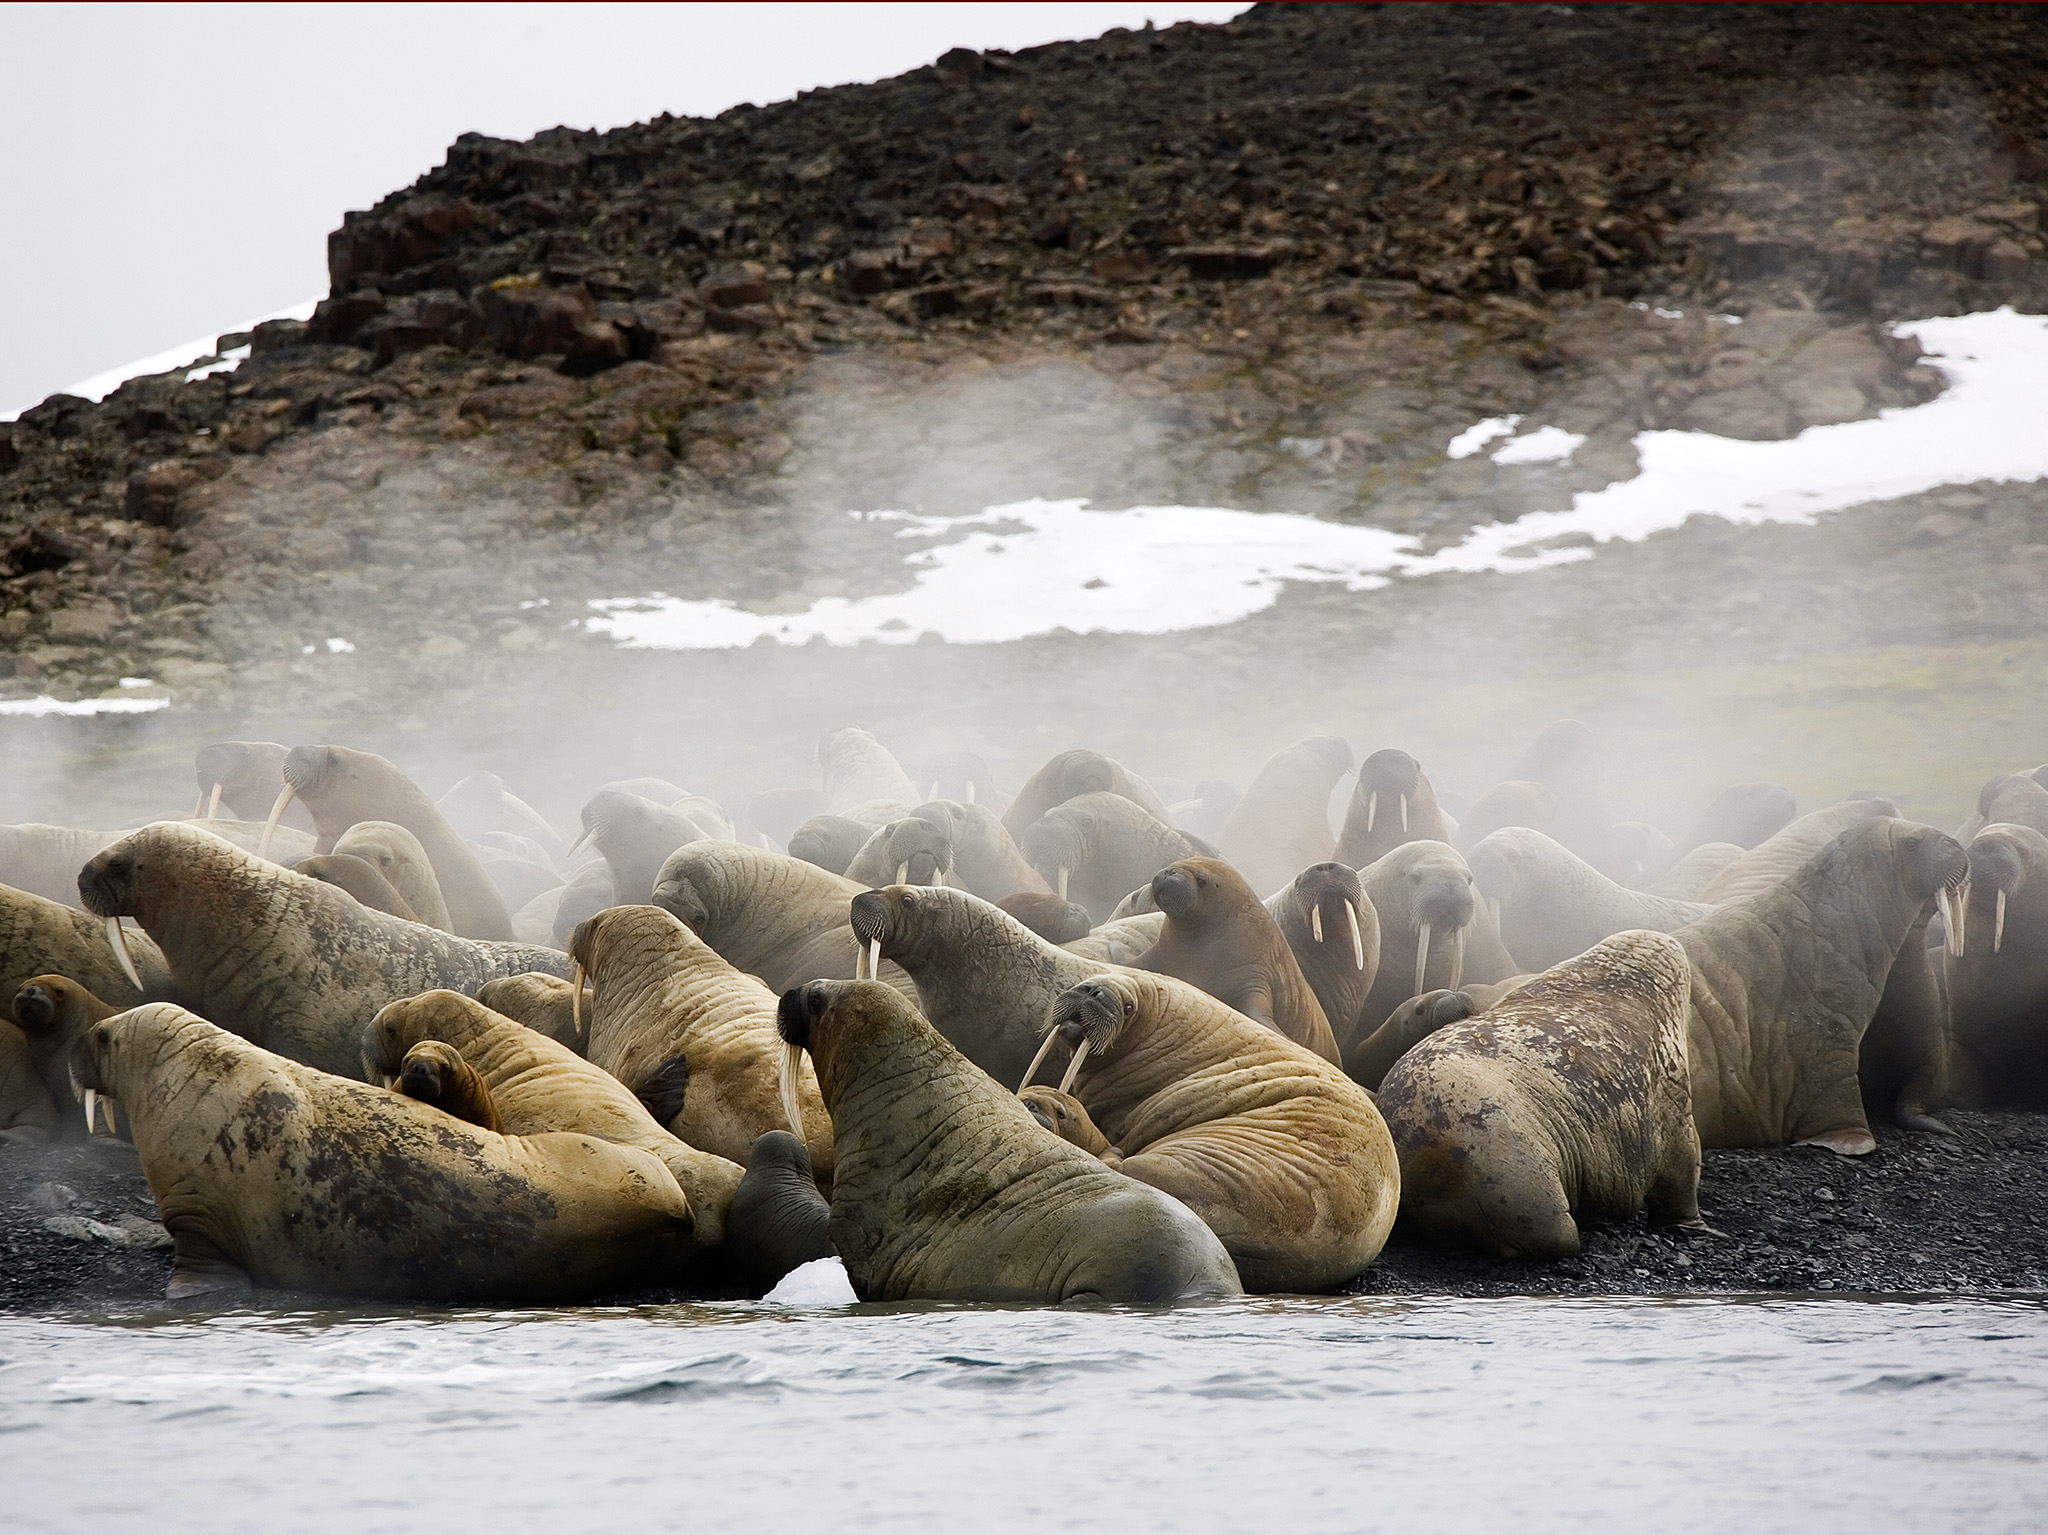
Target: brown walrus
[
  {"x": 1391, "y": 803},
  {"x": 27, "y": 1111},
  {"x": 1786, "y": 981},
  {"x": 693, "y": 1037},
  {"x": 39, "y": 937},
  {"x": 948, "y": 1189},
  {"x": 1369, "y": 1060},
  {"x": 262, "y": 1169},
  {"x": 341, "y": 786},
  {"x": 1069, "y": 775},
  {"x": 1434, "y": 930},
  {"x": 1329, "y": 922},
  {"x": 1095, "y": 848},
  {"x": 1219, "y": 938},
  {"x": 976, "y": 850},
  {"x": 546, "y": 1004},
  {"x": 1281, "y": 824},
  {"x": 291, "y": 963},
  {"x": 360, "y": 878},
  {"x": 1565, "y": 1101},
  {"x": 436, "y": 1073},
  {"x": 244, "y": 777},
  {"x": 1998, "y": 970},
  {"x": 1549, "y": 904},
  {"x": 538, "y": 1085},
  {"x": 1282, "y": 1154},
  {"x": 774, "y": 917},
  {"x": 54, "y": 1012}
]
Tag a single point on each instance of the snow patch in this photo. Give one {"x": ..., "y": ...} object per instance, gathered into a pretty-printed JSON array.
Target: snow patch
[
  {"x": 100, "y": 385},
  {"x": 1545, "y": 445},
  {"x": 45, "y": 704},
  {"x": 1473, "y": 438}
]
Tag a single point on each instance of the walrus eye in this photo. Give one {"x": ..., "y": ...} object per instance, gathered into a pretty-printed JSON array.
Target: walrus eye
[{"x": 102, "y": 1037}]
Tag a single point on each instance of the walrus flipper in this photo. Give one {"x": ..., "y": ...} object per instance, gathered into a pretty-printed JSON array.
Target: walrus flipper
[{"x": 662, "y": 1091}]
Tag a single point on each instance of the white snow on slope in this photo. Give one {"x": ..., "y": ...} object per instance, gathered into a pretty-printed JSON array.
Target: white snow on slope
[
  {"x": 100, "y": 385},
  {"x": 1154, "y": 570},
  {"x": 45, "y": 704}
]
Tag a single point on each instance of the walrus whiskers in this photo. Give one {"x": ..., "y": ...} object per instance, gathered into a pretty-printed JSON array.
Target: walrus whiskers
[
  {"x": 1044, "y": 1049},
  {"x": 1074, "y": 1066},
  {"x": 1421, "y": 959},
  {"x": 1357, "y": 937},
  {"x": 120, "y": 946},
  {"x": 787, "y": 1075},
  {"x": 284, "y": 798},
  {"x": 1315, "y": 921},
  {"x": 213, "y": 802}
]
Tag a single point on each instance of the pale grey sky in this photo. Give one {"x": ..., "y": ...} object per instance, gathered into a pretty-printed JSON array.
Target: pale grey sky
[{"x": 169, "y": 170}]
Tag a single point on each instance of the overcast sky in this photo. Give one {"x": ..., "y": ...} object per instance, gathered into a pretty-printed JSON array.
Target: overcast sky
[{"x": 167, "y": 171}]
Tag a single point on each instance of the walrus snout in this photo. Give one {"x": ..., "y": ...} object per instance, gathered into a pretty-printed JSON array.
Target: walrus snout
[
  {"x": 306, "y": 768},
  {"x": 677, "y": 896},
  {"x": 107, "y": 883},
  {"x": 1944, "y": 863},
  {"x": 869, "y": 915},
  {"x": 800, "y": 1008},
  {"x": 35, "y": 1008},
  {"x": 421, "y": 1078},
  {"x": 1444, "y": 904},
  {"x": 1177, "y": 890}
]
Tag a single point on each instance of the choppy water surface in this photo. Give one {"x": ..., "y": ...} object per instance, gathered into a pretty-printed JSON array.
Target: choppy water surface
[{"x": 1337, "y": 1415}]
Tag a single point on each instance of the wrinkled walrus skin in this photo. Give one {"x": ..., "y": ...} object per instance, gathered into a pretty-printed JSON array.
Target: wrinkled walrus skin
[
  {"x": 692, "y": 1037},
  {"x": 1786, "y": 981},
  {"x": 1283, "y": 1155},
  {"x": 285, "y": 961},
  {"x": 40, "y": 936},
  {"x": 538, "y": 1085},
  {"x": 1095, "y": 848},
  {"x": 948, "y": 1189},
  {"x": 1568, "y": 1100},
  {"x": 273, "y": 1174},
  {"x": 1550, "y": 904}
]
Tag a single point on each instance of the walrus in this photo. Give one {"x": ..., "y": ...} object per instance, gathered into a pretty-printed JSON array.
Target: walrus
[
  {"x": 287, "y": 843},
  {"x": 1391, "y": 804},
  {"x": 985, "y": 857},
  {"x": 436, "y": 1073},
  {"x": 1567, "y": 1101},
  {"x": 396, "y": 854},
  {"x": 635, "y": 835},
  {"x": 1120, "y": 940},
  {"x": 39, "y": 936},
  {"x": 693, "y": 1037},
  {"x": 854, "y": 768},
  {"x": 271, "y": 1173},
  {"x": 283, "y": 960},
  {"x": 1783, "y": 852},
  {"x": 54, "y": 1012},
  {"x": 341, "y": 786},
  {"x": 1329, "y": 922},
  {"x": 964, "y": 778},
  {"x": 481, "y": 803},
  {"x": 1068, "y": 776},
  {"x": 1997, "y": 969},
  {"x": 1368, "y": 1061},
  {"x": 910, "y": 851},
  {"x": 1903, "y": 1062},
  {"x": 948, "y": 1189},
  {"x": 1219, "y": 938},
  {"x": 779, "y": 1220},
  {"x": 1549, "y": 904},
  {"x": 518, "y": 867},
  {"x": 1434, "y": 931},
  {"x": 1094, "y": 848},
  {"x": 1054, "y": 920},
  {"x": 1281, "y": 1154},
  {"x": 44, "y": 860},
  {"x": 1281, "y": 824},
  {"x": 546, "y": 1004},
  {"x": 539, "y": 1085},
  {"x": 27, "y": 1110},
  {"x": 588, "y": 892},
  {"x": 244, "y": 778},
  {"x": 1691, "y": 874},
  {"x": 1786, "y": 981},
  {"x": 360, "y": 878},
  {"x": 2016, "y": 799},
  {"x": 1205, "y": 807},
  {"x": 1514, "y": 803},
  {"x": 1747, "y": 814},
  {"x": 829, "y": 842}
]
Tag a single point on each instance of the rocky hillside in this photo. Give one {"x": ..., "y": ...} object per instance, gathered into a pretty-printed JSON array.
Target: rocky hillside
[{"x": 1272, "y": 264}]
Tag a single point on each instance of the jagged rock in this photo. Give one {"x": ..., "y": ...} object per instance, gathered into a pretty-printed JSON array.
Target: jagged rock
[{"x": 154, "y": 493}]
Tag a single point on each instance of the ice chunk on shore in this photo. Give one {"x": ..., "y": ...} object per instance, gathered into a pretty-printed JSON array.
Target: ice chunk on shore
[{"x": 821, "y": 1282}]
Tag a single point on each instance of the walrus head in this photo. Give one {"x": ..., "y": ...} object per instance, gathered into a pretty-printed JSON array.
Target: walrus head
[
  {"x": 1082, "y": 771},
  {"x": 827, "y": 1016},
  {"x": 1331, "y": 898},
  {"x": 963, "y": 776},
  {"x": 920, "y": 849},
  {"x": 429, "y": 1069},
  {"x": 677, "y": 894},
  {"x": 1059, "y": 842},
  {"x": 1195, "y": 888},
  {"x": 884, "y": 924},
  {"x": 47, "y": 1004},
  {"x": 829, "y": 841},
  {"x": 1389, "y": 782},
  {"x": 1087, "y": 1018},
  {"x": 243, "y": 775},
  {"x": 1998, "y": 862}
]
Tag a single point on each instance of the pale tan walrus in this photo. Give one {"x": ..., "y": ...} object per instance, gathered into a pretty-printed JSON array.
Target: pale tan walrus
[
  {"x": 691, "y": 1036},
  {"x": 948, "y": 1189},
  {"x": 1549, "y": 904},
  {"x": 1434, "y": 930},
  {"x": 295, "y": 965},
  {"x": 1566, "y": 1101},
  {"x": 1071, "y": 774},
  {"x": 39, "y": 936},
  {"x": 1282, "y": 1154},
  {"x": 270, "y": 1173},
  {"x": 1097, "y": 847},
  {"x": 398, "y": 857}
]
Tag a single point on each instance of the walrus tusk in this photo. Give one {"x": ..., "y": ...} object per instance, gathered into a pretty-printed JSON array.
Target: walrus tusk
[
  {"x": 1458, "y": 960},
  {"x": 1074, "y": 1066},
  {"x": 1063, "y": 882},
  {"x": 1044, "y": 1049},
  {"x": 874, "y": 959},
  {"x": 1183, "y": 806},
  {"x": 1357, "y": 938},
  {"x": 1998, "y": 925},
  {"x": 1962, "y": 906},
  {"x": 284, "y": 798},
  {"x": 765, "y": 841},
  {"x": 371, "y": 1074},
  {"x": 92, "y": 1103},
  {"x": 213, "y": 803},
  {"x": 1948, "y": 919},
  {"x": 199, "y": 805},
  {"x": 1372, "y": 809},
  {"x": 120, "y": 944},
  {"x": 786, "y": 1083},
  {"x": 970, "y": 791},
  {"x": 1315, "y": 921},
  {"x": 576, "y": 1000},
  {"x": 1404, "y": 815},
  {"x": 1421, "y": 958},
  {"x": 582, "y": 837},
  {"x": 903, "y": 872}
]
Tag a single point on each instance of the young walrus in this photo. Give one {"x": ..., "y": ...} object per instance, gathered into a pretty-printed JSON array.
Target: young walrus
[
  {"x": 28, "y": 1112},
  {"x": 284, "y": 960},
  {"x": 1372, "y": 1056},
  {"x": 1283, "y": 1155},
  {"x": 39, "y": 936},
  {"x": 1218, "y": 937},
  {"x": 54, "y": 1012},
  {"x": 273, "y": 1174},
  {"x": 1569, "y": 1100},
  {"x": 538, "y": 1085},
  {"x": 436, "y": 1073},
  {"x": 779, "y": 1220},
  {"x": 948, "y": 1189},
  {"x": 694, "y": 1038}
]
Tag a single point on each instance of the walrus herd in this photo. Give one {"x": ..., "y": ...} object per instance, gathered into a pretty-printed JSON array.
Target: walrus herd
[{"x": 1106, "y": 1039}]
